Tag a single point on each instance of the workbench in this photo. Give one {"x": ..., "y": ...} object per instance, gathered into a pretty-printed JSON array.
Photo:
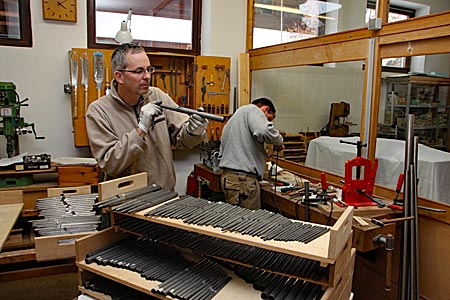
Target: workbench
[
  {"x": 42, "y": 180},
  {"x": 328, "y": 154},
  {"x": 362, "y": 235},
  {"x": 211, "y": 179},
  {"x": 8, "y": 214}
]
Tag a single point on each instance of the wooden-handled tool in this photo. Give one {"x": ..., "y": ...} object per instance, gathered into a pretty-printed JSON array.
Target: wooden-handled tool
[
  {"x": 98, "y": 72},
  {"x": 107, "y": 81},
  {"x": 382, "y": 222},
  {"x": 74, "y": 82},
  {"x": 85, "y": 80}
]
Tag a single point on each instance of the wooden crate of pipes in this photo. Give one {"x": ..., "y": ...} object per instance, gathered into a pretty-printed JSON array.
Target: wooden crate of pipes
[
  {"x": 65, "y": 215},
  {"x": 172, "y": 246}
]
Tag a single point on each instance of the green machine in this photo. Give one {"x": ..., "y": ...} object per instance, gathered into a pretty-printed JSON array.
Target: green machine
[{"x": 12, "y": 125}]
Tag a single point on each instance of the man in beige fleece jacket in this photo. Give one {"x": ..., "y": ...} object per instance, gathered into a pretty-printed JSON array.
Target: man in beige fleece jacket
[{"x": 129, "y": 133}]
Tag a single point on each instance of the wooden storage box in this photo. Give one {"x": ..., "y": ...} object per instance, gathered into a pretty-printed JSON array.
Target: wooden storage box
[
  {"x": 235, "y": 289},
  {"x": 56, "y": 247},
  {"x": 59, "y": 246},
  {"x": 332, "y": 249},
  {"x": 336, "y": 268},
  {"x": 325, "y": 248},
  {"x": 78, "y": 175}
]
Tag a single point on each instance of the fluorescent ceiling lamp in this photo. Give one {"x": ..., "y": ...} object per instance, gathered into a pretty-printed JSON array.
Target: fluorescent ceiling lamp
[
  {"x": 124, "y": 34},
  {"x": 290, "y": 10}
]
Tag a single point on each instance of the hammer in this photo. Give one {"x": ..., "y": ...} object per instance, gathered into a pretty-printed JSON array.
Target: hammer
[{"x": 382, "y": 222}]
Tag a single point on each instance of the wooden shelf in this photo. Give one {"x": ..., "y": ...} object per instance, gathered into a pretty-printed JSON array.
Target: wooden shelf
[
  {"x": 332, "y": 250},
  {"x": 325, "y": 248},
  {"x": 236, "y": 288}
]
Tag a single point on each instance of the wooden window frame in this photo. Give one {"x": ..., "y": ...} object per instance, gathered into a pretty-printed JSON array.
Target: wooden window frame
[
  {"x": 196, "y": 31},
  {"x": 398, "y": 10},
  {"x": 423, "y": 35}
]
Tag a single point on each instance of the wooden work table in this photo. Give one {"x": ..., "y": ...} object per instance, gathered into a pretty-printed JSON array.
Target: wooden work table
[
  {"x": 362, "y": 235},
  {"x": 8, "y": 214},
  {"x": 212, "y": 176}
]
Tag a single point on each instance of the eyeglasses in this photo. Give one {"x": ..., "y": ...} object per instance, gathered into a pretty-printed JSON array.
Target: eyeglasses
[{"x": 141, "y": 71}]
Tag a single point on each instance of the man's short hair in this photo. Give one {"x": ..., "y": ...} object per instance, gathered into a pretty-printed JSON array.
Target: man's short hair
[
  {"x": 260, "y": 102},
  {"x": 118, "y": 60}
]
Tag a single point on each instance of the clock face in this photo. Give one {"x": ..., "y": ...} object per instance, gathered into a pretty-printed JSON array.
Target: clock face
[{"x": 60, "y": 10}]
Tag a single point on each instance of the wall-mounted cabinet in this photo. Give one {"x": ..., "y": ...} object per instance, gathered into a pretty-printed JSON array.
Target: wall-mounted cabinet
[
  {"x": 428, "y": 99},
  {"x": 191, "y": 81}
]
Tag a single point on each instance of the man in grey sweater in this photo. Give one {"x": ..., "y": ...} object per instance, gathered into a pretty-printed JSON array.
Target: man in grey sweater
[
  {"x": 243, "y": 151},
  {"x": 129, "y": 132}
]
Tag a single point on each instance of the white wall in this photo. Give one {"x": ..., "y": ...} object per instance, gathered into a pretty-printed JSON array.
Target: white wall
[
  {"x": 222, "y": 35},
  {"x": 40, "y": 73},
  {"x": 224, "y": 32}
]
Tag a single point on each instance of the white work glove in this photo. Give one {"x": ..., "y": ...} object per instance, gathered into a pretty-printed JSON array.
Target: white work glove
[
  {"x": 148, "y": 113},
  {"x": 196, "y": 124}
]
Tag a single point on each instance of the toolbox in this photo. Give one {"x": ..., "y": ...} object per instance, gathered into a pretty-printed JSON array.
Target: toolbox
[{"x": 34, "y": 162}]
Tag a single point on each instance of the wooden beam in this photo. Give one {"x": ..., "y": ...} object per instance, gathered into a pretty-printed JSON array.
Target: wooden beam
[
  {"x": 414, "y": 24},
  {"x": 419, "y": 34},
  {"x": 250, "y": 24},
  {"x": 243, "y": 80},
  {"x": 339, "y": 52},
  {"x": 334, "y": 38},
  {"x": 413, "y": 48},
  {"x": 375, "y": 102},
  {"x": 383, "y": 11}
]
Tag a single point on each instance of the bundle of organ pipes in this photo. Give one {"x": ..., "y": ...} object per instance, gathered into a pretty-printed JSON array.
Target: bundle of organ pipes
[
  {"x": 138, "y": 200},
  {"x": 66, "y": 214}
]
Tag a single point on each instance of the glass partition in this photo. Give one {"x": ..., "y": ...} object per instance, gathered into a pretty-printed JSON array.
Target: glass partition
[
  {"x": 282, "y": 21},
  {"x": 303, "y": 95},
  {"x": 423, "y": 93}
]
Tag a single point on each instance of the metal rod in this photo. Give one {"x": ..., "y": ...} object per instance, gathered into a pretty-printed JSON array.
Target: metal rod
[
  {"x": 189, "y": 111},
  {"x": 415, "y": 225}
]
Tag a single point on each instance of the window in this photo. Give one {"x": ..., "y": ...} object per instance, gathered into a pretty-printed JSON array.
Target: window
[
  {"x": 277, "y": 22},
  {"x": 15, "y": 23},
  {"x": 157, "y": 25},
  {"x": 395, "y": 64}
]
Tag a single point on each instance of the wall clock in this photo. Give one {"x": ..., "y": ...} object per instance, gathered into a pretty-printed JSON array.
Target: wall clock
[{"x": 60, "y": 10}]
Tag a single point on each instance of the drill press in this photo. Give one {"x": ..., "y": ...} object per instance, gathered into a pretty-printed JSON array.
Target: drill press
[{"x": 12, "y": 125}]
